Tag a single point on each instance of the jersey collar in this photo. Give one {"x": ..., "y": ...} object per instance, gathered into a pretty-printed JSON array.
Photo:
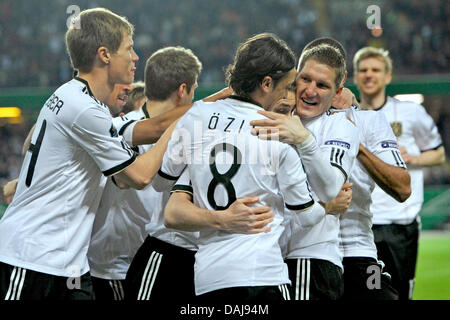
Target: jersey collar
[
  {"x": 145, "y": 111},
  {"x": 245, "y": 99},
  {"x": 382, "y": 106},
  {"x": 86, "y": 84}
]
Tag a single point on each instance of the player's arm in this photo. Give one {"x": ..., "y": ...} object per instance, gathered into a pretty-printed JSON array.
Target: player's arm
[
  {"x": 9, "y": 189},
  {"x": 427, "y": 158},
  {"x": 341, "y": 203},
  {"x": 428, "y": 139},
  {"x": 394, "y": 180},
  {"x": 239, "y": 217},
  {"x": 141, "y": 172},
  {"x": 325, "y": 176},
  {"x": 148, "y": 131}
]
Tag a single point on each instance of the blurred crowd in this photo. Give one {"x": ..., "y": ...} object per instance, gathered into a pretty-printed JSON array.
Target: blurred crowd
[{"x": 32, "y": 51}]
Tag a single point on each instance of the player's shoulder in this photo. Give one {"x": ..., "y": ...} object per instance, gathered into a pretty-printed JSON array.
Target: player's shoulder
[
  {"x": 339, "y": 118},
  {"x": 77, "y": 97},
  {"x": 404, "y": 105}
]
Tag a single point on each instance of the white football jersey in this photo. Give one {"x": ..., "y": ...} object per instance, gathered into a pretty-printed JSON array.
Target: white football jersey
[
  {"x": 155, "y": 227},
  {"x": 417, "y": 133},
  {"x": 356, "y": 224},
  {"x": 119, "y": 225},
  {"x": 338, "y": 140},
  {"x": 226, "y": 162},
  {"x": 47, "y": 227}
]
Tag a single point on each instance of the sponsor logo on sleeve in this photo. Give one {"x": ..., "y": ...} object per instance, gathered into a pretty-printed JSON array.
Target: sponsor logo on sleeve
[
  {"x": 339, "y": 143},
  {"x": 389, "y": 144}
]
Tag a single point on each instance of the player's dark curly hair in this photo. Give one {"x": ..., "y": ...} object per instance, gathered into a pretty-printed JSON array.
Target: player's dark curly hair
[{"x": 262, "y": 55}]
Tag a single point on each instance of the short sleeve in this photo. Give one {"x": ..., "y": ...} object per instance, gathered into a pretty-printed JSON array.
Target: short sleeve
[
  {"x": 183, "y": 183},
  {"x": 382, "y": 141},
  {"x": 292, "y": 181},
  {"x": 425, "y": 132},
  {"x": 341, "y": 143},
  {"x": 94, "y": 131}
]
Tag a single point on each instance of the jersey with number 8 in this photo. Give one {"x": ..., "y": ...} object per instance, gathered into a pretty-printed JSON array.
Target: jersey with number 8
[{"x": 226, "y": 162}]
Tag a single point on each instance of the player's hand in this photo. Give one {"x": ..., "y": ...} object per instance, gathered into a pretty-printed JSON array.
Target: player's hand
[
  {"x": 285, "y": 128},
  {"x": 222, "y": 94},
  {"x": 341, "y": 203},
  {"x": 9, "y": 190},
  {"x": 345, "y": 99},
  {"x": 409, "y": 159},
  {"x": 242, "y": 218}
]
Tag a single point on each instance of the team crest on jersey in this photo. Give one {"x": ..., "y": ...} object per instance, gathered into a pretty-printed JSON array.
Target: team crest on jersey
[
  {"x": 397, "y": 128},
  {"x": 389, "y": 144},
  {"x": 338, "y": 143}
]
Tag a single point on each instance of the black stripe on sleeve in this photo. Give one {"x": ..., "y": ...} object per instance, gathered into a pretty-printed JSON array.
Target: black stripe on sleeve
[
  {"x": 182, "y": 188},
  {"x": 166, "y": 176},
  {"x": 342, "y": 170},
  {"x": 395, "y": 158},
  {"x": 340, "y": 158},
  {"x": 125, "y": 126},
  {"x": 119, "y": 167},
  {"x": 300, "y": 206}
]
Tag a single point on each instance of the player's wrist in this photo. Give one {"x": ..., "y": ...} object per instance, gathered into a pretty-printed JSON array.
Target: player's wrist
[{"x": 307, "y": 145}]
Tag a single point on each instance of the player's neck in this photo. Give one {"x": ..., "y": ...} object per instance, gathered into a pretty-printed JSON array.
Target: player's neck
[
  {"x": 98, "y": 84},
  {"x": 373, "y": 102},
  {"x": 155, "y": 108}
]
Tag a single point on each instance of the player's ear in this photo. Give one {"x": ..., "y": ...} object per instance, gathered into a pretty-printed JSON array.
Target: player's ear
[
  {"x": 388, "y": 78},
  {"x": 344, "y": 79},
  {"x": 103, "y": 54},
  {"x": 181, "y": 90},
  {"x": 266, "y": 83}
]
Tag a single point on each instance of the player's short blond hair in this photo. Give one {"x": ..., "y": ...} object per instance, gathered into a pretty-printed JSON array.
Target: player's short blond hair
[
  {"x": 328, "y": 55},
  {"x": 92, "y": 29},
  {"x": 372, "y": 52}
]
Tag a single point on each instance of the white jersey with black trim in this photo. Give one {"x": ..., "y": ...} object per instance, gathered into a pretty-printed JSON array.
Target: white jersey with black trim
[
  {"x": 48, "y": 225},
  {"x": 119, "y": 225},
  {"x": 226, "y": 162},
  {"x": 155, "y": 226},
  {"x": 338, "y": 140},
  {"x": 356, "y": 224},
  {"x": 417, "y": 133}
]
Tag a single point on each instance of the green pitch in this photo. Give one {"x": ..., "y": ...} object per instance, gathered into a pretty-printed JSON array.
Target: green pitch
[{"x": 433, "y": 267}]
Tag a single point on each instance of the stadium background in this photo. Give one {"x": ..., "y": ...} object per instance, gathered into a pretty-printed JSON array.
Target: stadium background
[{"x": 33, "y": 62}]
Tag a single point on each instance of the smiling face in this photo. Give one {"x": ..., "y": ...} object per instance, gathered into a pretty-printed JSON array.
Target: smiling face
[
  {"x": 122, "y": 62},
  {"x": 371, "y": 76},
  {"x": 315, "y": 89}
]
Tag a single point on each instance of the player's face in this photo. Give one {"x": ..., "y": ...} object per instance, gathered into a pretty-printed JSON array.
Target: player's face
[
  {"x": 281, "y": 89},
  {"x": 371, "y": 77},
  {"x": 123, "y": 62},
  {"x": 315, "y": 89},
  {"x": 118, "y": 98},
  {"x": 286, "y": 104}
]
